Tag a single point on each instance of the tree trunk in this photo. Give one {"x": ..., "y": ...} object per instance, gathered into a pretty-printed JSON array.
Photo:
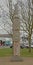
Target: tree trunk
[
  {"x": 29, "y": 46},
  {"x": 29, "y": 43}
]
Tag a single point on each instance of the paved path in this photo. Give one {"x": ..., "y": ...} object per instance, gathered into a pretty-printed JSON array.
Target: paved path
[{"x": 7, "y": 61}]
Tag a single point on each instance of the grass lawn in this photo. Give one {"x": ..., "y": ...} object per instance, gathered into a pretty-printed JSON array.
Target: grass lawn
[
  {"x": 5, "y": 52},
  {"x": 8, "y": 52},
  {"x": 25, "y": 52}
]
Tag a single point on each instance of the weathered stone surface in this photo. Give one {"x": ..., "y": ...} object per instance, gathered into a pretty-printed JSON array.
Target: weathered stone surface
[
  {"x": 16, "y": 36},
  {"x": 16, "y": 48},
  {"x": 16, "y": 59}
]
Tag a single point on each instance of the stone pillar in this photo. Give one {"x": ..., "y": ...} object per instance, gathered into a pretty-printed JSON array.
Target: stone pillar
[
  {"x": 16, "y": 48},
  {"x": 15, "y": 17},
  {"x": 16, "y": 36}
]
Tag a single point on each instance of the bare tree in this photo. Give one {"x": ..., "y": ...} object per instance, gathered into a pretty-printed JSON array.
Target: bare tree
[
  {"x": 28, "y": 22},
  {"x": 5, "y": 22}
]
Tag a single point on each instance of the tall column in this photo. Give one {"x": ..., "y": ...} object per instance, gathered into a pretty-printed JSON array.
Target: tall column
[
  {"x": 16, "y": 36},
  {"x": 15, "y": 18}
]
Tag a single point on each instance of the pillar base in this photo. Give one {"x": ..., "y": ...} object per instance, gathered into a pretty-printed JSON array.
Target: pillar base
[{"x": 16, "y": 59}]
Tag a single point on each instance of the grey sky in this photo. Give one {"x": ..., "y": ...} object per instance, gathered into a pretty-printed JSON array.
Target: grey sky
[
  {"x": 4, "y": 18},
  {"x": 3, "y": 4}
]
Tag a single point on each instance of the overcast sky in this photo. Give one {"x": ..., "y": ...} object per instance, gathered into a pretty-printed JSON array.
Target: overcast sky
[
  {"x": 3, "y": 5},
  {"x": 4, "y": 10}
]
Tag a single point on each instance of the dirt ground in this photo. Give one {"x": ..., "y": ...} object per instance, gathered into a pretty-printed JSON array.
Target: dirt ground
[{"x": 7, "y": 61}]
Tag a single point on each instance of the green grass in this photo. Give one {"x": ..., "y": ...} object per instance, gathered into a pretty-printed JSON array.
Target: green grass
[
  {"x": 25, "y": 53},
  {"x": 5, "y": 52},
  {"x": 8, "y": 52}
]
